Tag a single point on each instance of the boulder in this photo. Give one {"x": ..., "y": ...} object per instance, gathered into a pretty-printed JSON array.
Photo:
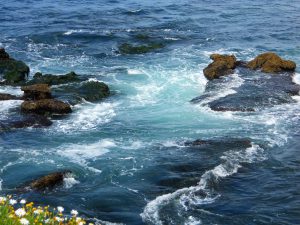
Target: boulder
[
  {"x": 93, "y": 90},
  {"x": 12, "y": 71},
  {"x": 36, "y": 92},
  {"x": 49, "y": 181},
  {"x": 140, "y": 49},
  {"x": 90, "y": 91},
  {"x": 4, "y": 96},
  {"x": 50, "y": 79},
  {"x": 271, "y": 63},
  {"x": 222, "y": 65},
  {"x": 46, "y": 106}
]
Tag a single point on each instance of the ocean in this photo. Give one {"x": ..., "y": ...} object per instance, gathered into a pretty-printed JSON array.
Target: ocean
[{"x": 128, "y": 152}]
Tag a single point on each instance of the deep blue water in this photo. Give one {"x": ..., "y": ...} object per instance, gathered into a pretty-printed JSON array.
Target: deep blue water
[{"x": 127, "y": 151}]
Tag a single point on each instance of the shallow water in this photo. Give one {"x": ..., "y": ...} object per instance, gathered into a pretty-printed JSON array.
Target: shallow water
[{"x": 127, "y": 153}]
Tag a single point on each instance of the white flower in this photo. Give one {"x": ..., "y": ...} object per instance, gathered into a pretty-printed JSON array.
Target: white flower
[
  {"x": 12, "y": 201},
  {"x": 3, "y": 199},
  {"x": 23, "y": 201},
  {"x": 60, "y": 209},
  {"x": 47, "y": 220},
  {"x": 24, "y": 221},
  {"x": 37, "y": 211},
  {"x": 20, "y": 212},
  {"x": 80, "y": 223},
  {"x": 78, "y": 219},
  {"x": 74, "y": 212}
]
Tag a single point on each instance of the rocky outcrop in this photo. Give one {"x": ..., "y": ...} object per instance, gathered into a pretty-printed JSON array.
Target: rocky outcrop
[
  {"x": 222, "y": 65},
  {"x": 50, "y": 79},
  {"x": 11, "y": 70},
  {"x": 46, "y": 107},
  {"x": 49, "y": 181},
  {"x": 90, "y": 91},
  {"x": 271, "y": 63},
  {"x": 4, "y": 96},
  {"x": 36, "y": 92},
  {"x": 140, "y": 49}
]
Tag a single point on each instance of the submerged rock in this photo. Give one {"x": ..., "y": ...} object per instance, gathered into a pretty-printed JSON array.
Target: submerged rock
[
  {"x": 249, "y": 91},
  {"x": 35, "y": 121},
  {"x": 46, "y": 106},
  {"x": 12, "y": 71},
  {"x": 50, "y": 79},
  {"x": 271, "y": 63},
  {"x": 4, "y": 96},
  {"x": 223, "y": 143},
  {"x": 36, "y": 92},
  {"x": 141, "y": 49},
  {"x": 90, "y": 91},
  {"x": 222, "y": 65},
  {"x": 49, "y": 181}
]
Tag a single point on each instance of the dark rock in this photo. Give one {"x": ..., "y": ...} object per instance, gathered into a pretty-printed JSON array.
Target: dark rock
[
  {"x": 251, "y": 91},
  {"x": 271, "y": 63},
  {"x": 3, "y": 54},
  {"x": 37, "y": 75},
  {"x": 36, "y": 92},
  {"x": 143, "y": 37},
  {"x": 4, "y": 96},
  {"x": 90, "y": 91},
  {"x": 35, "y": 121},
  {"x": 12, "y": 71},
  {"x": 46, "y": 106},
  {"x": 49, "y": 181},
  {"x": 220, "y": 108},
  {"x": 54, "y": 79},
  {"x": 222, "y": 143},
  {"x": 222, "y": 65},
  {"x": 141, "y": 49}
]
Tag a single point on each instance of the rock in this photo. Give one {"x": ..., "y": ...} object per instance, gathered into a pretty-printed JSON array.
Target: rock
[
  {"x": 222, "y": 65},
  {"x": 35, "y": 121},
  {"x": 222, "y": 143},
  {"x": 4, "y": 96},
  {"x": 3, "y": 54},
  {"x": 271, "y": 63},
  {"x": 49, "y": 181},
  {"x": 141, "y": 49},
  {"x": 12, "y": 71},
  {"x": 93, "y": 90},
  {"x": 50, "y": 79},
  {"x": 143, "y": 37},
  {"x": 36, "y": 92},
  {"x": 220, "y": 108},
  {"x": 46, "y": 106},
  {"x": 90, "y": 91}
]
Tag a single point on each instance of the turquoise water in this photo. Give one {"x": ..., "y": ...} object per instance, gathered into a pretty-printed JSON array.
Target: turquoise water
[{"x": 127, "y": 152}]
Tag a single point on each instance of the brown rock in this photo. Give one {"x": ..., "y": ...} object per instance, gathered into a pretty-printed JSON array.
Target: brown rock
[
  {"x": 222, "y": 65},
  {"x": 46, "y": 106},
  {"x": 4, "y": 96},
  {"x": 49, "y": 181},
  {"x": 36, "y": 92},
  {"x": 271, "y": 63}
]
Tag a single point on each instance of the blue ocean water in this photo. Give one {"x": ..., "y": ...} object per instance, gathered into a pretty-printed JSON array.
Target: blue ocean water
[{"x": 127, "y": 152}]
